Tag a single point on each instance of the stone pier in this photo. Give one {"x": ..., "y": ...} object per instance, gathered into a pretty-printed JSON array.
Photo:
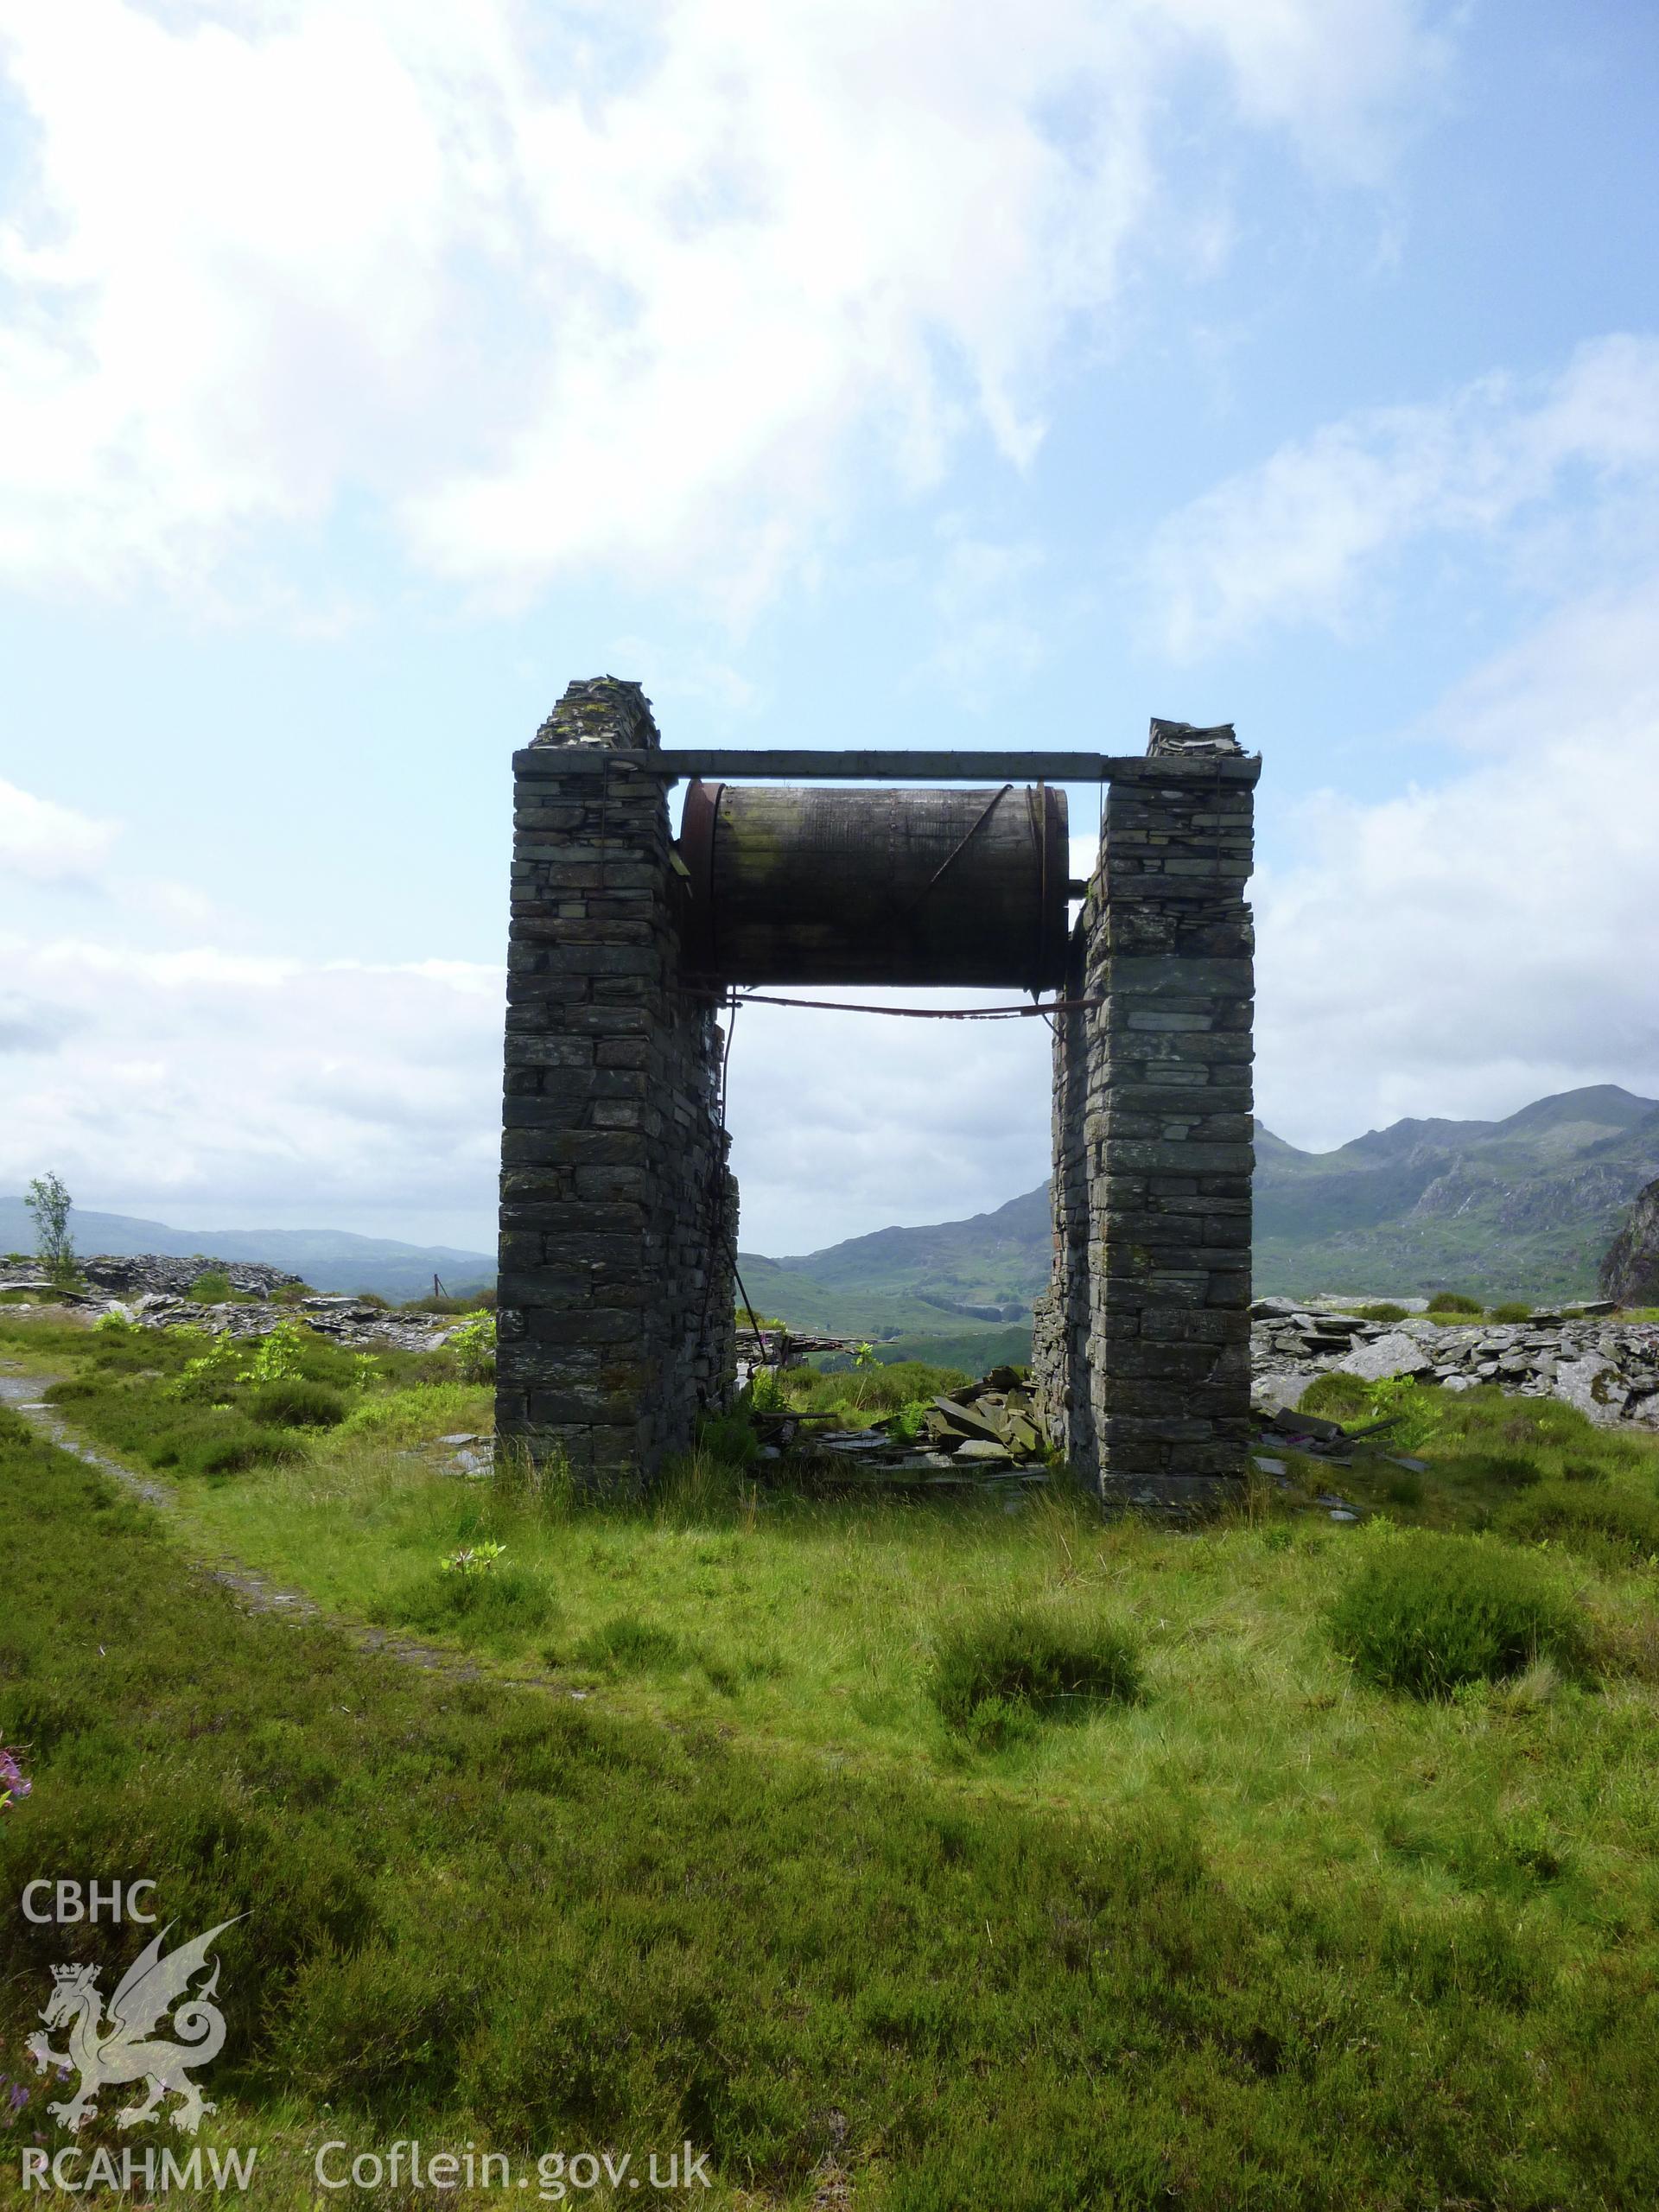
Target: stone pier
[
  {"x": 618, "y": 1215},
  {"x": 1142, "y": 1343}
]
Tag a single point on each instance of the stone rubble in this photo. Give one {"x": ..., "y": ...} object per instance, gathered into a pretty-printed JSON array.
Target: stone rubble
[
  {"x": 159, "y": 1281},
  {"x": 1608, "y": 1368},
  {"x": 984, "y": 1436},
  {"x": 126, "y": 1275}
]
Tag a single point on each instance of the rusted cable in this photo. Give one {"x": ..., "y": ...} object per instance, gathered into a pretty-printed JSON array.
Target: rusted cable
[{"x": 928, "y": 1013}]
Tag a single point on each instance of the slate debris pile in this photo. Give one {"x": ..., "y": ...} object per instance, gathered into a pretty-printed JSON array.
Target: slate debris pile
[
  {"x": 1315, "y": 1438},
  {"x": 1609, "y": 1369},
  {"x": 135, "y": 1274},
  {"x": 346, "y": 1319},
  {"x": 992, "y": 1422},
  {"x": 984, "y": 1437}
]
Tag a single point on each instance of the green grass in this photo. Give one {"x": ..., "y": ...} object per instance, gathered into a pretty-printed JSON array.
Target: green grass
[
  {"x": 1262, "y": 1934},
  {"x": 875, "y": 1389}
]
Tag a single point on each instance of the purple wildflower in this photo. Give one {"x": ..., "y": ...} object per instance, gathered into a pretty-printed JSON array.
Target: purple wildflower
[{"x": 14, "y": 1782}]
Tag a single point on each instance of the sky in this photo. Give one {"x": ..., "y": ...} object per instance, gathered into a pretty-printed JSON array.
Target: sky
[{"x": 845, "y": 372}]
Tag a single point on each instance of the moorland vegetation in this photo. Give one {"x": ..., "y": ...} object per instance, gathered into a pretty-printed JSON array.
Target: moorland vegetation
[{"x": 898, "y": 1853}]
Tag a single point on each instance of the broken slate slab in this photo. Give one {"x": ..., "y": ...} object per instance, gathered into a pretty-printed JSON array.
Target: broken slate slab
[
  {"x": 1593, "y": 1385},
  {"x": 948, "y": 1417},
  {"x": 1314, "y": 1425},
  {"x": 1394, "y": 1354}
]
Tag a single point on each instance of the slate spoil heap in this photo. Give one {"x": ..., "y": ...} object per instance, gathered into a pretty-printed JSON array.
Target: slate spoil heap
[
  {"x": 984, "y": 1436},
  {"x": 1609, "y": 1369},
  {"x": 148, "y": 1290},
  {"x": 124, "y": 1275}
]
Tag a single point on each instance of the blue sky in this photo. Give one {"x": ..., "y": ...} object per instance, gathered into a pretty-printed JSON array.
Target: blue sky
[{"x": 844, "y": 372}]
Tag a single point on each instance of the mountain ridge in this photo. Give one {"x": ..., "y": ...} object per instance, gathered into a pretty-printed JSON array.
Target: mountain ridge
[
  {"x": 1524, "y": 1206},
  {"x": 1521, "y": 1206}
]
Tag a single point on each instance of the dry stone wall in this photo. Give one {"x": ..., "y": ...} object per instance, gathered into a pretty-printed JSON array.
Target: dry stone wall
[{"x": 618, "y": 1215}]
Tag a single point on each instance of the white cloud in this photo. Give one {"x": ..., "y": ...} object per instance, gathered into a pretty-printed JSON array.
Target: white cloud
[
  {"x": 651, "y": 295},
  {"x": 49, "y": 843},
  {"x": 1465, "y": 949},
  {"x": 845, "y": 1122},
  {"x": 1457, "y": 950},
  {"x": 332, "y": 1092},
  {"x": 1297, "y": 538}
]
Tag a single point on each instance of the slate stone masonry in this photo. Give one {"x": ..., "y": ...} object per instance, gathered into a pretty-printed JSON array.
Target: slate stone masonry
[
  {"x": 618, "y": 1210},
  {"x": 1142, "y": 1343}
]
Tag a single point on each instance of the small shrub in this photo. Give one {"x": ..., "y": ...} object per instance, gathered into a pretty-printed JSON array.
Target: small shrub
[
  {"x": 1453, "y": 1301},
  {"x": 1432, "y": 1612},
  {"x": 910, "y": 1420},
  {"x": 212, "y": 1287},
  {"x": 1418, "y": 1411},
  {"x": 290, "y": 1294},
  {"x": 471, "y": 1559},
  {"x": 992, "y": 1677},
  {"x": 473, "y": 1347},
  {"x": 1511, "y": 1310},
  {"x": 1382, "y": 1312},
  {"x": 232, "y": 1445},
  {"x": 373, "y": 1298},
  {"x": 1610, "y": 1526},
  {"x": 728, "y": 1438},
  {"x": 292, "y": 1403}
]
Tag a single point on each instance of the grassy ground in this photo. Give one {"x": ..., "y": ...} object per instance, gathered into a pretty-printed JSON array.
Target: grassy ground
[{"x": 1250, "y": 1932}]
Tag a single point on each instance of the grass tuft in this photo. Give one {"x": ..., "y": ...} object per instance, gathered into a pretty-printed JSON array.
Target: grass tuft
[
  {"x": 992, "y": 1677},
  {"x": 628, "y": 1645}
]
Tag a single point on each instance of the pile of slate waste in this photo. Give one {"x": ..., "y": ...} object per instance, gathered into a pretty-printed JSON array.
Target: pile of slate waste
[
  {"x": 1607, "y": 1367},
  {"x": 983, "y": 1436},
  {"x": 148, "y": 1290}
]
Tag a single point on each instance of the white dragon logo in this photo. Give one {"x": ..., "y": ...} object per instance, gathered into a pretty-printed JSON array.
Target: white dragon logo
[{"x": 122, "y": 2048}]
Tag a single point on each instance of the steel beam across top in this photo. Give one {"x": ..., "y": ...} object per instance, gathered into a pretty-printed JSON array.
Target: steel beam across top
[{"x": 891, "y": 767}]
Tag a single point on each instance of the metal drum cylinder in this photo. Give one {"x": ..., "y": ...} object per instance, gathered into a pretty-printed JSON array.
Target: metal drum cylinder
[{"x": 811, "y": 884}]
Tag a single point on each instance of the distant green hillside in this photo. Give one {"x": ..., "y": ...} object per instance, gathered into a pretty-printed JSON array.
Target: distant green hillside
[{"x": 1523, "y": 1207}]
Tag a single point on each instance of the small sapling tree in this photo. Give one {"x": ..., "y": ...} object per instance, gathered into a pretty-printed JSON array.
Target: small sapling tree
[{"x": 49, "y": 1202}]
